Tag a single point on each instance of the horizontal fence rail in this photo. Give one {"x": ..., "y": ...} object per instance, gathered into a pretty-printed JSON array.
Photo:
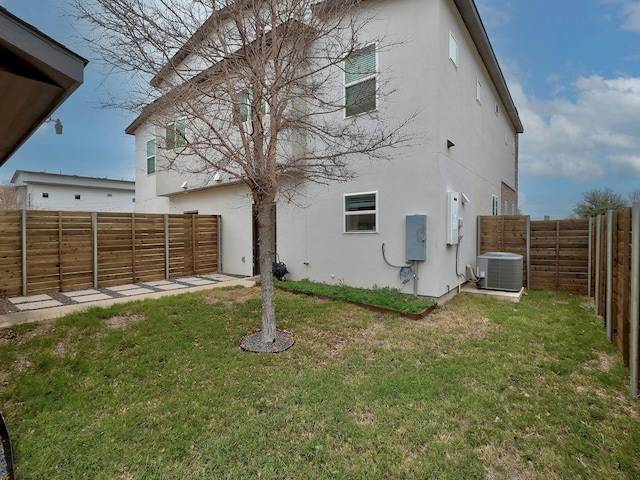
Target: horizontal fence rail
[{"x": 57, "y": 251}]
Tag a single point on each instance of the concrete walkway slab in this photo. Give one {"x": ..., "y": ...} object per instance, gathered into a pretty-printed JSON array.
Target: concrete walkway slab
[
  {"x": 44, "y": 307},
  {"x": 38, "y": 305},
  {"x": 30, "y": 299}
]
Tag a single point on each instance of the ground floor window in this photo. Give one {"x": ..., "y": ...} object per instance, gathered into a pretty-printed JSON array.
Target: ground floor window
[{"x": 361, "y": 212}]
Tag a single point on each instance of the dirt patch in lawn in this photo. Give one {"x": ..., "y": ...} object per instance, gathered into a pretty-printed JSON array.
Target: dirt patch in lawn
[
  {"x": 122, "y": 321},
  {"x": 229, "y": 296}
]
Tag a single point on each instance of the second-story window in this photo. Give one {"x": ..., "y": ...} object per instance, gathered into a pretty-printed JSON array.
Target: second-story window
[
  {"x": 245, "y": 100},
  {"x": 176, "y": 134},
  {"x": 151, "y": 157},
  {"x": 360, "y": 70}
]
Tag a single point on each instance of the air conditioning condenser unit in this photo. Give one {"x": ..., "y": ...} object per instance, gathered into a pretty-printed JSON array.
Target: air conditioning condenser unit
[{"x": 499, "y": 271}]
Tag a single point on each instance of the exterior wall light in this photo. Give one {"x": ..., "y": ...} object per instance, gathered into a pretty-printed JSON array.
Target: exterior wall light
[{"x": 57, "y": 126}]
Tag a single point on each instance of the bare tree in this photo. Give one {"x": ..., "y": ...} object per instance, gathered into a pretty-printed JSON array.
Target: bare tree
[
  {"x": 9, "y": 199},
  {"x": 260, "y": 86}
]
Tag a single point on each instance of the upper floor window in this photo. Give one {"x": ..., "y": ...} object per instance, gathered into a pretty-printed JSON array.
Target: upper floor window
[
  {"x": 245, "y": 100},
  {"x": 453, "y": 49},
  {"x": 495, "y": 205},
  {"x": 45, "y": 195},
  {"x": 176, "y": 134},
  {"x": 151, "y": 156},
  {"x": 361, "y": 212},
  {"x": 360, "y": 70},
  {"x": 478, "y": 91}
]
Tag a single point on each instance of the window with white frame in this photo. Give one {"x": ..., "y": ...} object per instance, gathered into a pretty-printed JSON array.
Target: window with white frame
[
  {"x": 361, "y": 212},
  {"x": 151, "y": 157},
  {"x": 478, "y": 91},
  {"x": 495, "y": 205},
  {"x": 360, "y": 82},
  {"x": 176, "y": 134},
  {"x": 453, "y": 49},
  {"x": 245, "y": 100}
]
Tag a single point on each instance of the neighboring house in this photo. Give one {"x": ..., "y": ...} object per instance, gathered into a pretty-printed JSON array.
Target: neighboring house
[
  {"x": 51, "y": 191},
  {"x": 361, "y": 232},
  {"x": 37, "y": 74}
]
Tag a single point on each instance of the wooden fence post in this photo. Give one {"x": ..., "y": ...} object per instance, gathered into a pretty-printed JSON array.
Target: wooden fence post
[
  {"x": 194, "y": 245},
  {"x": 635, "y": 294},
  {"x": 528, "y": 241},
  {"x": 94, "y": 228},
  {"x": 598, "y": 251},
  {"x": 609, "y": 291},
  {"x": 478, "y": 235},
  {"x": 24, "y": 252},
  {"x": 589, "y": 263},
  {"x": 166, "y": 246}
]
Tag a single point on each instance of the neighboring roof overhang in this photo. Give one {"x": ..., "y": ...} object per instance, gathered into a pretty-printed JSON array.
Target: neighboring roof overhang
[
  {"x": 471, "y": 18},
  {"x": 37, "y": 74},
  {"x": 24, "y": 177}
]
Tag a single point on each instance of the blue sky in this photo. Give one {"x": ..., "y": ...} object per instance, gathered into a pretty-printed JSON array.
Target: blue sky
[{"x": 572, "y": 66}]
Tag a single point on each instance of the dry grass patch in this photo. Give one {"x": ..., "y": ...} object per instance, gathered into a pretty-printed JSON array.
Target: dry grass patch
[
  {"x": 231, "y": 295},
  {"x": 123, "y": 321}
]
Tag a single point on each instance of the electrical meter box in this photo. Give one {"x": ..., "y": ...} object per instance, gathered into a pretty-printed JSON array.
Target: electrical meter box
[
  {"x": 416, "y": 236},
  {"x": 453, "y": 221}
]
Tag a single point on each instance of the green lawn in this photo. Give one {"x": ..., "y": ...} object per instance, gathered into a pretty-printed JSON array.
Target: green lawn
[{"x": 160, "y": 390}]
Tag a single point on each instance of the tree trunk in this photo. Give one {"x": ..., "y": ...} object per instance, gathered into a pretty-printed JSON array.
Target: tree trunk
[{"x": 266, "y": 255}]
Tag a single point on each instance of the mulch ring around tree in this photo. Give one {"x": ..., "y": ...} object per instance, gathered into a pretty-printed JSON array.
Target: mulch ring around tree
[{"x": 253, "y": 342}]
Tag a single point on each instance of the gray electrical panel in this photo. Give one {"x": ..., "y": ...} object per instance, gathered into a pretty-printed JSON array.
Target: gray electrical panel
[{"x": 416, "y": 235}]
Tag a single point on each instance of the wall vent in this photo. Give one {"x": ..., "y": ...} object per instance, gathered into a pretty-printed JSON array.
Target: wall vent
[{"x": 500, "y": 271}]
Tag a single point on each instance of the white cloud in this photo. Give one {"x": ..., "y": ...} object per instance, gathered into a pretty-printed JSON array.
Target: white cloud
[
  {"x": 595, "y": 136},
  {"x": 631, "y": 13}
]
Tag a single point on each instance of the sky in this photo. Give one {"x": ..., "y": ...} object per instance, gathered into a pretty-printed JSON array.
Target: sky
[{"x": 572, "y": 67}]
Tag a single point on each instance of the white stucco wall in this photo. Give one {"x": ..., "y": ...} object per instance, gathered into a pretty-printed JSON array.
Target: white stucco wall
[{"x": 414, "y": 180}]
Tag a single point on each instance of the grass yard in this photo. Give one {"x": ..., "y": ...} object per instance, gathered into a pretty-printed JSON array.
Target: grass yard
[{"x": 480, "y": 389}]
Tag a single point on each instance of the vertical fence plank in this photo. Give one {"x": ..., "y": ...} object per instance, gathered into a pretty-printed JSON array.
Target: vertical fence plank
[
  {"x": 24, "y": 253},
  {"x": 609, "y": 277},
  {"x": 634, "y": 314},
  {"x": 94, "y": 231},
  {"x": 166, "y": 246}
]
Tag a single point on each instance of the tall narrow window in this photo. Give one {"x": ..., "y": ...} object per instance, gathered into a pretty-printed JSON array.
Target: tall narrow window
[
  {"x": 453, "y": 49},
  {"x": 176, "y": 134},
  {"x": 495, "y": 205},
  {"x": 360, "y": 69},
  {"x": 361, "y": 212},
  {"x": 478, "y": 91},
  {"x": 245, "y": 100},
  {"x": 151, "y": 157}
]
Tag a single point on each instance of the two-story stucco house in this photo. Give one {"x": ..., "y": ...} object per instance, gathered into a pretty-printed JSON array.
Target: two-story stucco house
[{"x": 408, "y": 222}]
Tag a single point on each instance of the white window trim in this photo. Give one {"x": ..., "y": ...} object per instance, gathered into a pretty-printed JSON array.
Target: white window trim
[
  {"x": 495, "y": 205},
  {"x": 175, "y": 143},
  {"x": 346, "y": 214},
  {"x": 155, "y": 156},
  {"x": 361, "y": 80},
  {"x": 452, "y": 42},
  {"x": 478, "y": 91}
]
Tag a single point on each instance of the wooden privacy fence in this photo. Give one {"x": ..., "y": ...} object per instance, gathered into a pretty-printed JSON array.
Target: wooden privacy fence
[
  {"x": 555, "y": 252},
  {"x": 51, "y": 251},
  {"x": 598, "y": 257}
]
